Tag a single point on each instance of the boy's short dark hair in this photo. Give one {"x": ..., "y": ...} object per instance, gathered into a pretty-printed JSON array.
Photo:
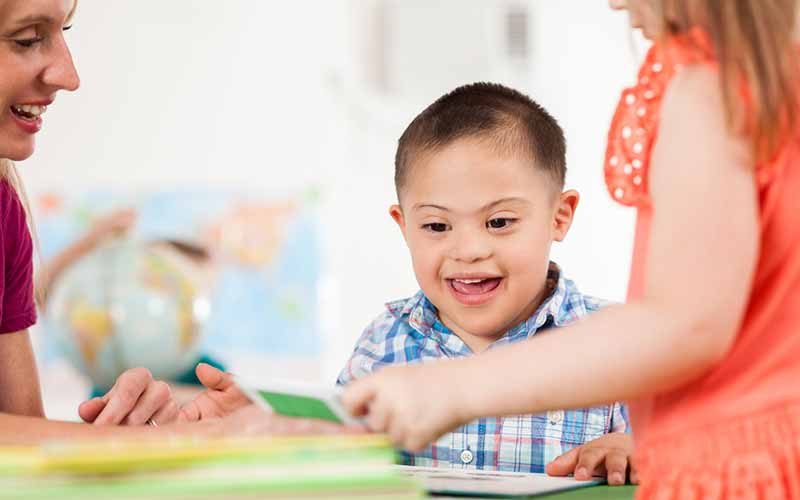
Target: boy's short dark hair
[{"x": 512, "y": 121}]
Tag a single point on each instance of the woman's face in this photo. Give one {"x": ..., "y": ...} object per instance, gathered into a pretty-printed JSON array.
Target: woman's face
[
  {"x": 35, "y": 64},
  {"x": 641, "y": 14}
]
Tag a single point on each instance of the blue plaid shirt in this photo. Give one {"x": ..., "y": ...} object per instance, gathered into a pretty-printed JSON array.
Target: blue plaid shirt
[{"x": 409, "y": 331}]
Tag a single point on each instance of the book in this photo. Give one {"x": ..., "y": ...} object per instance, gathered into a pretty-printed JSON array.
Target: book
[
  {"x": 279, "y": 467},
  {"x": 495, "y": 484}
]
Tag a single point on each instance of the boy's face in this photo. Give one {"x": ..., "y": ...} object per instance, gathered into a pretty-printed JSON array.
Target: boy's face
[{"x": 479, "y": 225}]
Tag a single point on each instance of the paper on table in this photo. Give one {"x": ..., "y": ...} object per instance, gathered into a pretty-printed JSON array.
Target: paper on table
[{"x": 479, "y": 483}]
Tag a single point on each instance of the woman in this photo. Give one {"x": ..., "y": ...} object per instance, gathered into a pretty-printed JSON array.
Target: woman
[{"x": 35, "y": 64}]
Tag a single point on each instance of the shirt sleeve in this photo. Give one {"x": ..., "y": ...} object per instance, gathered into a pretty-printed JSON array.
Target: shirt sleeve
[
  {"x": 373, "y": 349},
  {"x": 17, "y": 307},
  {"x": 619, "y": 418}
]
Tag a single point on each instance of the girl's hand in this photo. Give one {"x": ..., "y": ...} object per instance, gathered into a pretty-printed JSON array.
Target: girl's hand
[
  {"x": 135, "y": 399},
  {"x": 221, "y": 397},
  {"x": 608, "y": 456},
  {"x": 413, "y": 404}
]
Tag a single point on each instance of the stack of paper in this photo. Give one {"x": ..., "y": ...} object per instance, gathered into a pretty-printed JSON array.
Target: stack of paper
[{"x": 307, "y": 467}]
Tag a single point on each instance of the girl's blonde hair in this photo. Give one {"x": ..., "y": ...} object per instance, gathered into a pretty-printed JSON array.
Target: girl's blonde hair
[{"x": 754, "y": 45}]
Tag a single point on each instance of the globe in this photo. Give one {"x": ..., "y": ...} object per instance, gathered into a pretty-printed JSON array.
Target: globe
[{"x": 129, "y": 304}]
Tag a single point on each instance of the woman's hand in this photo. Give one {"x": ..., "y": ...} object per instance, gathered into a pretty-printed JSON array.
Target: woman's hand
[
  {"x": 135, "y": 399},
  {"x": 221, "y": 398},
  {"x": 609, "y": 456}
]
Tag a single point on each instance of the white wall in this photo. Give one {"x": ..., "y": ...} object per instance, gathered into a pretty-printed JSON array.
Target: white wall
[
  {"x": 584, "y": 57},
  {"x": 270, "y": 94},
  {"x": 196, "y": 91}
]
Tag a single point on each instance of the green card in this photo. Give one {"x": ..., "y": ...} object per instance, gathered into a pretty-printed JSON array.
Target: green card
[
  {"x": 293, "y": 405},
  {"x": 298, "y": 399}
]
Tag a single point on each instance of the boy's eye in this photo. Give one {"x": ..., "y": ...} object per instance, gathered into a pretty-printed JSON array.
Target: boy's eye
[
  {"x": 436, "y": 227},
  {"x": 500, "y": 222}
]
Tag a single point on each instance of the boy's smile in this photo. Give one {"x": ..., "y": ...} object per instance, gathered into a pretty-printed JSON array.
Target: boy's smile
[
  {"x": 479, "y": 224},
  {"x": 474, "y": 289}
]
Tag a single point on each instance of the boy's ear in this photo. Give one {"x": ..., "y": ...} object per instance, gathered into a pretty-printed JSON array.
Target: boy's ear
[
  {"x": 565, "y": 212},
  {"x": 397, "y": 214}
]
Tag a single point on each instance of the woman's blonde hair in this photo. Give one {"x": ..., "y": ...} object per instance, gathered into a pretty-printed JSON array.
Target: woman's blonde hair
[
  {"x": 754, "y": 45},
  {"x": 8, "y": 173}
]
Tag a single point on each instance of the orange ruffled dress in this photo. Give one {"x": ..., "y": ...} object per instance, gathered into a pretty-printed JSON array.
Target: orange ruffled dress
[{"x": 734, "y": 432}]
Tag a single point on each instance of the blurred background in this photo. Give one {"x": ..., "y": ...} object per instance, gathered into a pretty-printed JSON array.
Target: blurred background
[{"x": 264, "y": 131}]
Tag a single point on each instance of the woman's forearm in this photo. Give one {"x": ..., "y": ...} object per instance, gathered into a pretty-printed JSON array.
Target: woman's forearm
[
  {"x": 22, "y": 430},
  {"x": 21, "y": 394}
]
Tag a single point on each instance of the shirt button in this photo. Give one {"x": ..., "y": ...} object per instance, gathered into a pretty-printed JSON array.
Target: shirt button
[
  {"x": 466, "y": 456},
  {"x": 555, "y": 417}
]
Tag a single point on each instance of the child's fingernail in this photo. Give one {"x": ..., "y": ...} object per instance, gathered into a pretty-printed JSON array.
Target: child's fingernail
[
  {"x": 581, "y": 473},
  {"x": 616, "y": 478}
]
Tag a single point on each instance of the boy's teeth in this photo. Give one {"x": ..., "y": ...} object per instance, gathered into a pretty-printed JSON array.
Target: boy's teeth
[{"x": 469, "y": 282}]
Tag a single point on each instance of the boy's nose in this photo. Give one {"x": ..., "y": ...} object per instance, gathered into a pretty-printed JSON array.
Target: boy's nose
[{"x": 470, "y": 248}]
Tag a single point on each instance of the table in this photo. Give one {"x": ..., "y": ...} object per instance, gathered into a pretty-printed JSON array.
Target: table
[{"x": 602, "y": 492}]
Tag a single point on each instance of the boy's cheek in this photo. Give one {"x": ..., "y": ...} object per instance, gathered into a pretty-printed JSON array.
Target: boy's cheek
[
  {"x": 527, "y": 248},
  {"x": 427, "y": 258},
  {"x": 426, "y": 270}
]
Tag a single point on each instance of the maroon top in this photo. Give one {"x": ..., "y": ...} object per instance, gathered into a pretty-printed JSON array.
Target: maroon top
[{"x": 17, "y": 308}]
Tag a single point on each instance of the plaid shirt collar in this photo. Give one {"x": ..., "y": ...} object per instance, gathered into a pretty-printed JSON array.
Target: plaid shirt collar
[{"x": 423, "y": 318}]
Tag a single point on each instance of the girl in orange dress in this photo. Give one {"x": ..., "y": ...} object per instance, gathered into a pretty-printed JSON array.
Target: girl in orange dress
[{"x": 705, "y": 145}]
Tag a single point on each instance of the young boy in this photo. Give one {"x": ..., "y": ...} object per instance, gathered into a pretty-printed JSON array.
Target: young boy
[{"x": 479, "y": 177}]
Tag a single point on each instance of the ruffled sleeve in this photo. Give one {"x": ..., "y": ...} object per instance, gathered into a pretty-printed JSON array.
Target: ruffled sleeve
[{"x": 634, "y": 126}]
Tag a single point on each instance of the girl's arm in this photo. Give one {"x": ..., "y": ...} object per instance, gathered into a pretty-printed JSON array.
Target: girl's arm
[
  {"x": 702, "y": 254},
  {"x": 700, "y": 264}
]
